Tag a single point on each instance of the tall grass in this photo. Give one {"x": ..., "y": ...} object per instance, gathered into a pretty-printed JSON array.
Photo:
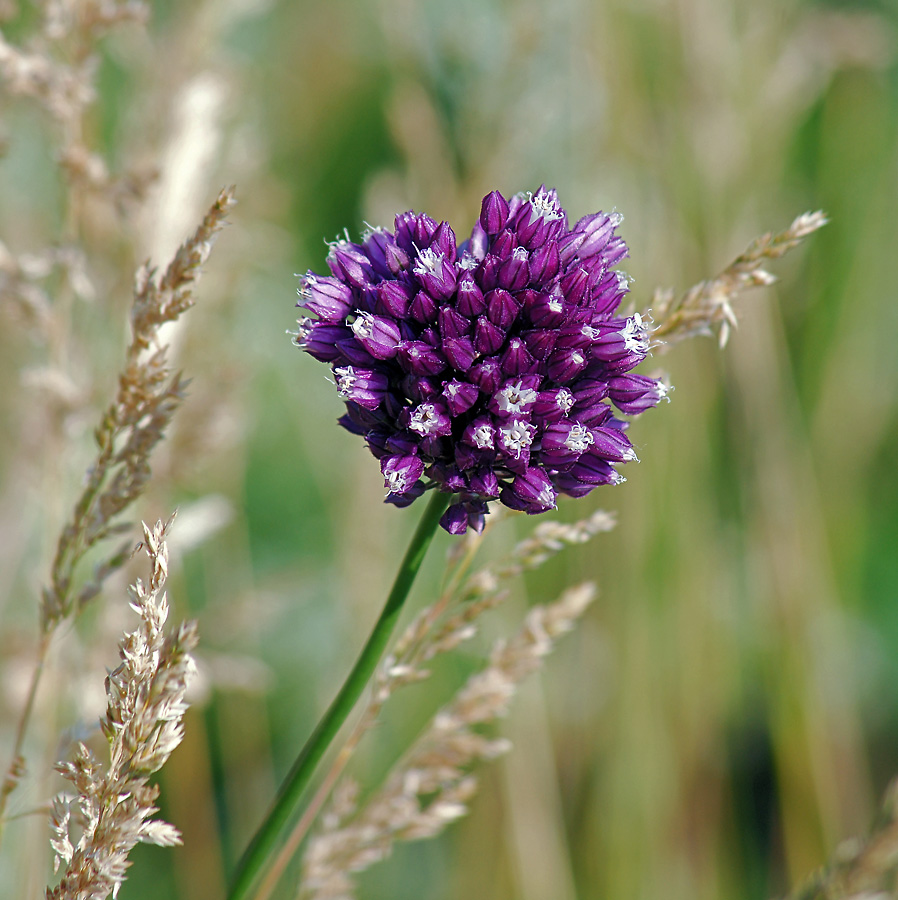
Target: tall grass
[{"x": 725, "y": 714}]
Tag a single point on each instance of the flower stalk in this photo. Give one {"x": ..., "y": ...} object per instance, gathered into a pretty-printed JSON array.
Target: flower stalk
[{"x": 270, "y": 834}]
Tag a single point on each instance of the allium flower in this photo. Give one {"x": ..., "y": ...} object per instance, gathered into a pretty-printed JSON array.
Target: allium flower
[{"x": 490, "y": 369}]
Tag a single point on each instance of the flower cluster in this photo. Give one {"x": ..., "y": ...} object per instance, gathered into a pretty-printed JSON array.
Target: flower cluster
[{"x": 484, "y": 369}]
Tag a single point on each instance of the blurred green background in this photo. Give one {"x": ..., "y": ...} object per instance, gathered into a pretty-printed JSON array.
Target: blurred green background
[{"x": 729, "y": 710}]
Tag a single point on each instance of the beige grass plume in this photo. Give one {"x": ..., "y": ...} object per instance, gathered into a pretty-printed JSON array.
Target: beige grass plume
[{"x": 115, "y": 802}]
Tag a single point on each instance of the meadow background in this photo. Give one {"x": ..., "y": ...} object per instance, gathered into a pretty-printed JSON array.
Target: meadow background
[{"x": 728, "y": 712}]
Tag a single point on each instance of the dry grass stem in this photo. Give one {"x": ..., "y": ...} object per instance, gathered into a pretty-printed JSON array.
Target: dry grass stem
[
  {"x": 432, "y": 785},
  {"x": 147, "y": 397},
  {"x": 861, "y": 869},
  {"x": 114, "y": 802},
  {"x": 433, "y": 631},
  {"x": 57, "y": 70},
  {"x": 706, "y": 307}
]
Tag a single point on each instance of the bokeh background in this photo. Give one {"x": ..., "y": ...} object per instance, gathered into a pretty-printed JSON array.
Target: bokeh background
[{"x": 728, "y": 712}]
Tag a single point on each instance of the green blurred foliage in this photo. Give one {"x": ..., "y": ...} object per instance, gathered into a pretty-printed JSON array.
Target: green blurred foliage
[{"x": 728, "y": 712}]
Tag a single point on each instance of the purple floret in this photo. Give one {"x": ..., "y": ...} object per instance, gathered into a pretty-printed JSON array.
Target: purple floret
[{"x": 487, "y": 370}]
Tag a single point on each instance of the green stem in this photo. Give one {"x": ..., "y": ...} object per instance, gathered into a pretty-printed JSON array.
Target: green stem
[{"x": 271, "y": 832}]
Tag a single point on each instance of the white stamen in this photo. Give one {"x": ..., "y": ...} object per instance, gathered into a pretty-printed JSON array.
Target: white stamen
[
  {"x": 517, "y": 436},
  {"x": 370, "y": 231},
  {"x": 424, "y": 419},
  {"x": 467, "y": 262},
  {"x": 556, "y": 305},
  {"x": 396, "y": 482},
  {"x": 346, "y": 379},
  {"x": 363, "y": 326},
  {"x": 579, "y": 439},
  {"x": 589, "y": 332},
  {"x": 545, "y": 207},
  {"x": 429, "y": 262},
  {"x": 635, "y": 336},
  {"x": 483, "y": 437},
  {"x": 520, "y": 254},
  {"x": 515, "y": 397},
  {"x": 564, "y": 400}
]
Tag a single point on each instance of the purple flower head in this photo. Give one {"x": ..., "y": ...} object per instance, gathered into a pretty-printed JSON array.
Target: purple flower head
[{"x": 491, "y": 369}]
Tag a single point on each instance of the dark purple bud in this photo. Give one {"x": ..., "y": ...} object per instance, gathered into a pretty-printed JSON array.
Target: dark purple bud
[
  {"x": 449, "y": 475},
  {"x": 612, "y": 445},
  {"x": 435, "y": 273},
  {"x": 452, "y": 324},
  {"x": 423, "y": 308},
  {"x": 488, "y": 339},
  {"x": 593, "y": 416},
  {"x": 585, "y": 475},
  {"x": 531, "y": 492},
  {"x": 563, "y": 443},
  {"x": 379, "y": 335},
  {"x": 455, "y": 519},
  {"x": 362, "y": 386},
  {"x": 376, "y": 439},
  {"x": 484, "y": 483},
  {"x": 545, "y": 263},
  {"x": 396, "y": 258},
  {"x": 633, "y": 394},
  {"x": 346, "y": 421},
  {"x": 467, "y": 457},
  {"x": 354, "y": 354},
  {"x": 414, "y": 231},
  {"x": 553, "y": 405},
  {"x": 401, "y": 472},
  {"x": 574, "y": 284},
  {"x": 443, "y": 241},
  {"x": 565, "y": 364},
  {"x": 540, "y": 342},
  {"x": 493, "y": 213},
  {"x": 430, "y": 337},
  {"x": 543, "y": 310},
  {"x": 597, "y": 230},
  {"x": 320, "y": 340},
  {"x": 607, "y": 293},
  {"x": 569, "y": 244},
  {"x": 375, "y": 244},
  {"x": 487, "y": 374},
  {"x": 502, "y": 308},
  {"x": 460, "y": 395},
  {"x": 328, "y": 298},
  {"x": 393, "y": 299},
  {"x": 419, "y": 358},
  {"x": 514, "y": 273},
  {"x": 460, "y": 353},
  {"x": 350, "y": 264},
  {"x": 615, "y": 251},
  {"x": 401, "y": 444},
  {"x": 487, "y": 273},
  {"x": 588, "y": 392},
  {"x": 469, "y": 298},
  {"x": 419, "y": 389},
  {"x": 503, "y": 245},
  {"x": 477, "y": 512},
  {"x": 516, "y": 360}
]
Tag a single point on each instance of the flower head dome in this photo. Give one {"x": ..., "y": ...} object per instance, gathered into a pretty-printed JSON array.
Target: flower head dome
[{"x": 489, "y": 370}]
